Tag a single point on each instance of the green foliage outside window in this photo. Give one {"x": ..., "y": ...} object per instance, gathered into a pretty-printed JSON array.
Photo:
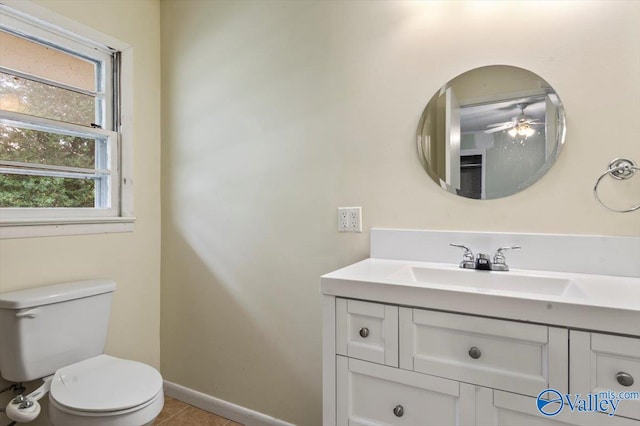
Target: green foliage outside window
[{"x": 39, "y": 191}]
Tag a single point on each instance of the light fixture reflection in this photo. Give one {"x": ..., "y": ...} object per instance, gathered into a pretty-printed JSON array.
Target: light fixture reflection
[{"x": 523, "y": 129}]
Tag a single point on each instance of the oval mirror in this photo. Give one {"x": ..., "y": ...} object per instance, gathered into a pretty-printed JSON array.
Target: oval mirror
[{"x": 491, "y": 132}]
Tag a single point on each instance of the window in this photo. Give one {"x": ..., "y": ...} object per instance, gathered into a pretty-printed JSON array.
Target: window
[{"x": 60, "y": 127}]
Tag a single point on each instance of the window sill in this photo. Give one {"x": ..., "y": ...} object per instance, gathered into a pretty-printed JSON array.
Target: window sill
[{"x": 31, "y": 228}]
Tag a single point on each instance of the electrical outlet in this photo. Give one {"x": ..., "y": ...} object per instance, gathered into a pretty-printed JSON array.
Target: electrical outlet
[
  {"x": 349, "y": 219},
  {"x": 343, "y": 219},
  {"x": 354, "y": 219}
]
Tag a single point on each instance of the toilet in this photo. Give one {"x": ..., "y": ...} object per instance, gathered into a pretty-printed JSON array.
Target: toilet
[{"x": 57, "y": 333}]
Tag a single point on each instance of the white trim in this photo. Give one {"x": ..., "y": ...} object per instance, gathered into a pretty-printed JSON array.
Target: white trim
[
  {"x": 44, "y": 80},
  {"x": 52, "y": 170},
  {"x": 62, "y": 227},
  {"x": 62, "y": 24},
  {"x": 501, "y": 97},
  {"x": 220, "y": 407},
  {"x": 125, "y": 143},
  {"x": 329, "y": 360},
  {"x": 63, "y": 220},
  {"x": 26, "y": 121},
  {"x": 44, "y": 32}
]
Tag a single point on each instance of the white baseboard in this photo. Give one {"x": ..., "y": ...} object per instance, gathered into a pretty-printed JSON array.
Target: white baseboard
[{"x": 218, "y": 406}]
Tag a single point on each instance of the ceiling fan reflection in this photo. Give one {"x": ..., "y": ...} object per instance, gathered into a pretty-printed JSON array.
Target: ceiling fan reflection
[{"x": 520, "y": 125}]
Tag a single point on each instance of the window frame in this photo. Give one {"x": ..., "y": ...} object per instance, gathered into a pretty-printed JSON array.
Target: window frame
[{"x": 24, "y": 18}]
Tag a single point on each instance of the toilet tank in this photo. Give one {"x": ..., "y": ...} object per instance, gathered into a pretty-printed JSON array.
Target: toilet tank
[{"x": 45, "y": 328}]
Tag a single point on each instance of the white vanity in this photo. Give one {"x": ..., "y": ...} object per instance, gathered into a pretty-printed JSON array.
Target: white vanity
[{"x": 411, "y": 339}]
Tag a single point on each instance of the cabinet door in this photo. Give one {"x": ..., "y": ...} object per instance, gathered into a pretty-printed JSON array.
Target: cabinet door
[
  {"x": 367, "y": 331},
  {"x": 507, "y": 355},
  {"x": 602, "y": 362},
  {"x": 498, "y": 408},
  {"x": 373, "y": 395}
]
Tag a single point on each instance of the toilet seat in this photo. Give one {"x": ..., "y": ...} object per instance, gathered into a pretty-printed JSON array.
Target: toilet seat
[{"x": 104, "y": 384}]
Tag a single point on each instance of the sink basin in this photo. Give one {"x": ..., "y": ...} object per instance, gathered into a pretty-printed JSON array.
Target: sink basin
[{"x": 487, "y": 280}]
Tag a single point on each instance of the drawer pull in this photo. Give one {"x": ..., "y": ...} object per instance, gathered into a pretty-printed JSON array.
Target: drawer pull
[
  {"x": 474, "y": 353},
  {"x": 364, "y": 332},
  {"x": 625, "y": 379},
  {"x": 398, "y": 411}
]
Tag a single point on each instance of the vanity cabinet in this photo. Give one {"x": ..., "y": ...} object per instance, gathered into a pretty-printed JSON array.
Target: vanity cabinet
[{"x": 397, "y": 365}]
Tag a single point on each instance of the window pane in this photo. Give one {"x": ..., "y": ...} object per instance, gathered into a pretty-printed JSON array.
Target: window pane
[
  {"x": 35, "y": 146},
  {"x": 36, "y": 59},
  {"x": 38, "y": 191},
  {"x": 33, "y": 98}
]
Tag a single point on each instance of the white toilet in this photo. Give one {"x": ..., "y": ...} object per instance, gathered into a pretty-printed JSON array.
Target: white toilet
[{"x": 61, "y": 330}]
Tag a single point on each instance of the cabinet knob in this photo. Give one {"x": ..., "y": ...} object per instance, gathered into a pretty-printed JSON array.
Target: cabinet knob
[
  {"x": 474, "y": 353},
  {"x": 364, "y": 332},
  {"x": 625, "y": 379},
  {"x": 398, "y": 411}
]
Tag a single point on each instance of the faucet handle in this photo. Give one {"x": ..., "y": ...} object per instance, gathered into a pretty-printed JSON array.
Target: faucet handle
[
  {"x": 499, "y": 256},
  {"x": 501, "y": 250},
  {"x": 467, "y": 251},
  {"x": 468, "y": 261}
]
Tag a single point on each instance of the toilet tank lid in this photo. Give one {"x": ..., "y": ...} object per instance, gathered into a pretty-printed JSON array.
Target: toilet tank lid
[{"x": 55, "y": 293}]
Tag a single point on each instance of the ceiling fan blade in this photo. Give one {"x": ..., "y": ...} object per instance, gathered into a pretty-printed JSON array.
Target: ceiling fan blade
[
  {"x": 498, "y": 129},
  {"x": 499, "y": 124}
]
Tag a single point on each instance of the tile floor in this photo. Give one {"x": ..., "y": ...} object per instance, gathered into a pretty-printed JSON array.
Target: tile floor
[{"x": 178, "y": 413}]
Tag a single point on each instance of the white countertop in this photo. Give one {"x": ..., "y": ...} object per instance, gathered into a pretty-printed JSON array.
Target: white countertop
[{"x": 591, "y": 302}]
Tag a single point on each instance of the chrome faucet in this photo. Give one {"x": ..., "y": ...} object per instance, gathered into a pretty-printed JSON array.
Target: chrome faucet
[
  {"x": 499, "y": 261},
  {"x": 483, "y": 261},
  {"x": 468, "y": 261}
]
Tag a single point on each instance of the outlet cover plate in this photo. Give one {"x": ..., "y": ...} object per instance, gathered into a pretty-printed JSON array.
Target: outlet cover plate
[{"x": 349, "y": 219}]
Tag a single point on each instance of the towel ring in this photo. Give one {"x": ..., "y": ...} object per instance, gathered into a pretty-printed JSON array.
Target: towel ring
[{"x": 620, "y": 169}]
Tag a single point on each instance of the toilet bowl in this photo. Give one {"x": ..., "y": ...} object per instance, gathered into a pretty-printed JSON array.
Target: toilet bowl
[{"x": 105, "y": 391}]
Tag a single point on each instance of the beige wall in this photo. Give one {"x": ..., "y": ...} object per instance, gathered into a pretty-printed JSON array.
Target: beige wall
[
  {"x": 131, "y": 259},
  {"x": 276, "y": 113}
]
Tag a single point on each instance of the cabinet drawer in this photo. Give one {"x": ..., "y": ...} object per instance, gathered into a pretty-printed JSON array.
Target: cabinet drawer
[
  {"x": 507, "y": 355},
  {"x": 601, "y": 362},
  {"x": 373, "y": 395},
  {"x": 497, "y": 408},
  {"x": 367, "y": 331}
]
